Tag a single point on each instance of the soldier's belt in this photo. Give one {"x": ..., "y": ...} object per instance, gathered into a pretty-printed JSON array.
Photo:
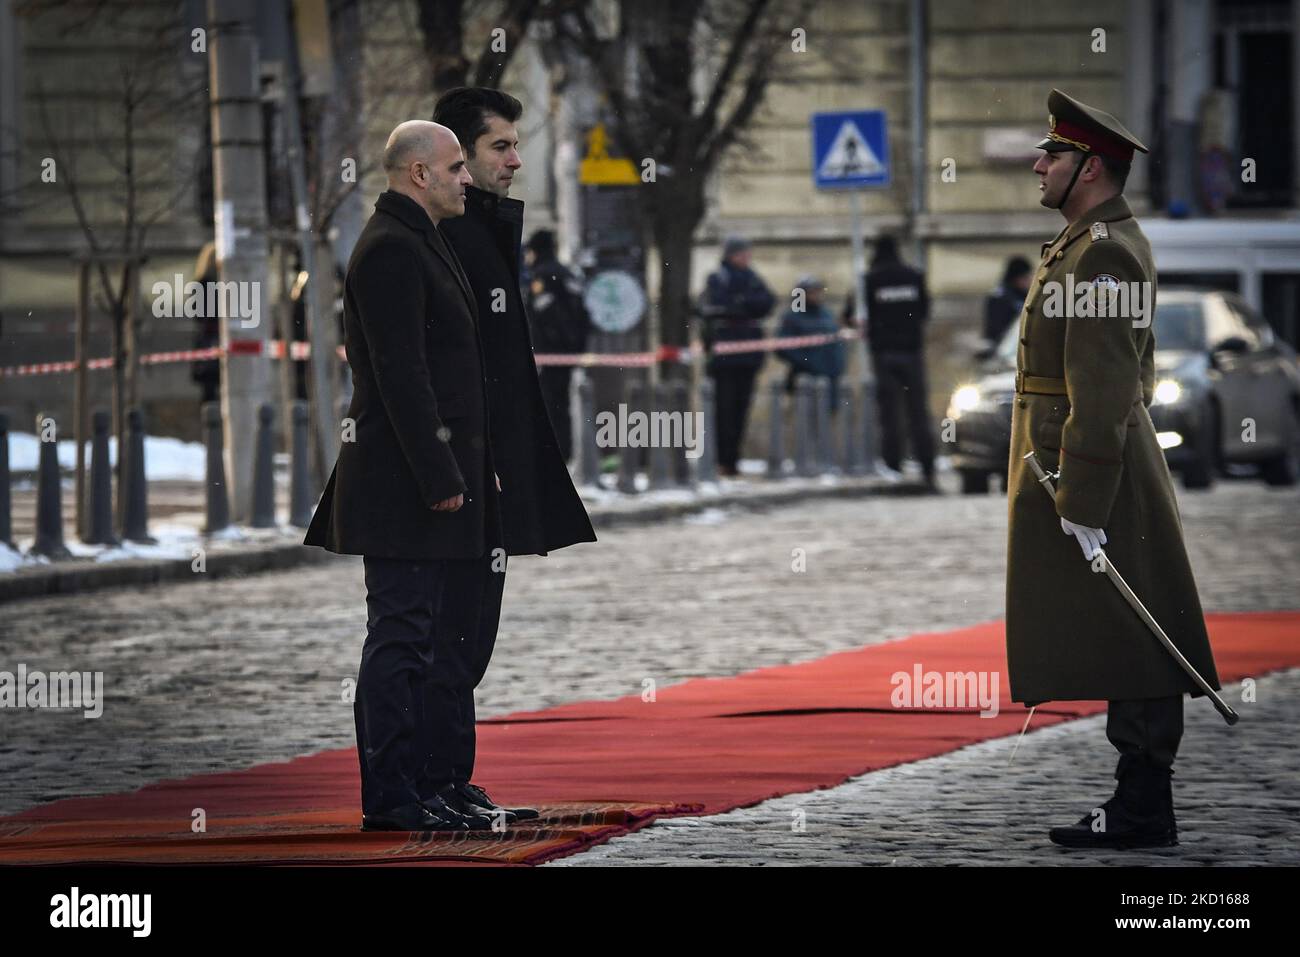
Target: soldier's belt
[
  {"x": 1045, "y": 385},
  {"x": 1040, "y": 385}
]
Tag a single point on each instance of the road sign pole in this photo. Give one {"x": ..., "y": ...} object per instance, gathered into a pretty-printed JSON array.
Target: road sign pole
[
  {"x": 850, "y": 151},
  {"x": 859, "y": 257}
]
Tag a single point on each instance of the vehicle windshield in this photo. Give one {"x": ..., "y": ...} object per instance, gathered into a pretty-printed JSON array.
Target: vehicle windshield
[{"x": 1179, "y": 325}]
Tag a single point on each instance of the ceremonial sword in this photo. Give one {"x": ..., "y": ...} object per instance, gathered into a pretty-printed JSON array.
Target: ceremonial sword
[{"x": 1116, "y": 579}]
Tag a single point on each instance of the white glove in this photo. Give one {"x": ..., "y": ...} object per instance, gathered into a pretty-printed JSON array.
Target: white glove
[{"x": 1090, "y": 539}]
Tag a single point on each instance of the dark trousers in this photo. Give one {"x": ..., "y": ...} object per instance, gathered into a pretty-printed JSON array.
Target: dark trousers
[
  {"x": 1146, "y": 729},
  {"x": 555, "y": 393},
  {"x": 733, "y": 389},
  {"x": 431, "y": 628},
  {"x": 901, "y": 392}
]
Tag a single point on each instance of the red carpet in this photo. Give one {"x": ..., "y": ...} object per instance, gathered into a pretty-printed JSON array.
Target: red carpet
[{"x": 599, "y": 768}]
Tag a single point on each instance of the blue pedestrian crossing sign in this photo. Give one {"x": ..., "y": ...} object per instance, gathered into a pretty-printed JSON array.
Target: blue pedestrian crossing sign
[{"x": 850, "y": 149}]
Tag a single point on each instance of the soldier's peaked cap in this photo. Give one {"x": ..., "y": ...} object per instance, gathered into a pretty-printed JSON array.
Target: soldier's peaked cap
[{"x": 1077, "y": 126}]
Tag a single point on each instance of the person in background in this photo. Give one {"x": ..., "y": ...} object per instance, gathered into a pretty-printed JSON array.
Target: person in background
[
  {"x": 808, "y": 315},
  {"x": 1003, "y": 305},
  {"x": 898, "y": 307},
  {"x": 559, "y": 322},
  {"x": 734, "y": 302}
]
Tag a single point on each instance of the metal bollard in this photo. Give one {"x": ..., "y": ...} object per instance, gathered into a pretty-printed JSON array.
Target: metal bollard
[
  {"x": 133, "y": 483},
  {"x": 660, "y": 450},
  {"x": 825, "y": 456},
  {"x": 628, "y": 457},
  {"x": 6, "y": 498},
  {"x": 868, "y": 407},
  {"x": 707, "y": 463},
  {"x": 853, "y": 440},
  {"x": 99, "y": 514},
  {"x": 588, "y": 451},
  {"x": 218, "y": 506},
  {"x": 776, "y": 433},
  {"x": 681, "y": 403},
  {"x": 804, "y": 424},
  {"x": 300, "y": 497},
  {"x": 264, "y": 470},
  {"x": 49, "y": 497}
]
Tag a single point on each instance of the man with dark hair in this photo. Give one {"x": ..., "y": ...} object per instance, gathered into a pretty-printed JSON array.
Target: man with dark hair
[
  {"x": 559, "y": 323},
  {"x": 470, "y": 112},
  {"x": 1084, "y": 381},
  {"x": 540, "y": 508}
]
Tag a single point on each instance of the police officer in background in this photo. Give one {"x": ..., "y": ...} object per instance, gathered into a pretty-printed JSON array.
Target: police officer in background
[
  {"x": 559, "y": 322},
  {"x": 1003, "y": 305},
  {"x": 897, "y": 309},
  {"x": 733, "y": 305}
]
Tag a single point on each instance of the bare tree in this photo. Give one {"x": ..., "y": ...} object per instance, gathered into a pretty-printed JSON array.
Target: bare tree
[
  {"x": 134, "y": 170},
  {"x": 649, "y": 74},
  {"x": 443, "y": 26},
  {"x": 334, "y": 127}
]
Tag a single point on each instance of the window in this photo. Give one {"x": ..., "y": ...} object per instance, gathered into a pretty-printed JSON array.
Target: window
[
  {"x": 1280, "y": 296},
  {"x": 1254, "y": 64}
]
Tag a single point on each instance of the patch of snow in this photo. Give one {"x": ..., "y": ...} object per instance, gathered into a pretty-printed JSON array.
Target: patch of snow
[{"x": 165, "y": 459}]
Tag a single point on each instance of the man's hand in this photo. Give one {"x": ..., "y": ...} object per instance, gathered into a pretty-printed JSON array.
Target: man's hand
[
  {"x": 498, "y": 478},
  {"x": 1090, "y": 539},
  {"x": 450, "y": 504}
]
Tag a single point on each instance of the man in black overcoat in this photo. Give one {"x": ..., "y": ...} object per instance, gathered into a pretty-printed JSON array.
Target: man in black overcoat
[
  {"x": 540, "y": 509},
  {"x": 414, "y": 491}
]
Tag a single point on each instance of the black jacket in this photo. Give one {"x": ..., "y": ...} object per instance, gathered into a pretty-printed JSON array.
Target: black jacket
[
  {"x": 1001, "y": 309},
  {"x": 897, "y": 308},
  {"x": 419, "y": 402},
  {"x": 540, "y": 509},
  {"x": 733, "y": 304},
  {"x": 559, "y": 317}
]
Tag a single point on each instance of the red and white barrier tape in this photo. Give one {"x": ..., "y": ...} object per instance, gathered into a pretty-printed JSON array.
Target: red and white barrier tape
[{"x": 274, "y": 349}]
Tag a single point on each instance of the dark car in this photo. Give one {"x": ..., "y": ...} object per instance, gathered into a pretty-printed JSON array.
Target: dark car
[{"x": 1227, "y": 394}]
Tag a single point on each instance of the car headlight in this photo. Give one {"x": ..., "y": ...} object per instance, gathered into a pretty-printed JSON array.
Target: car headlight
[
  {"x": 966, "y": 398},
  {"x": 1167, "y": 392}
]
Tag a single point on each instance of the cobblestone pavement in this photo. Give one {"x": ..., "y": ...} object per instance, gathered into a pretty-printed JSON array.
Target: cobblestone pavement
[
  {"x": 1236, "y": 799},
  {"x": 228, "y": 673}
]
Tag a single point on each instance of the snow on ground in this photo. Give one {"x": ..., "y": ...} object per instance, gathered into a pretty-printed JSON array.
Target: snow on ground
[{"x": 165, "y": 459}]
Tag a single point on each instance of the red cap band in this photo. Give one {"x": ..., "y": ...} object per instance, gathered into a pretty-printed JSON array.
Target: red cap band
[{"x": 1096, "y": 140}]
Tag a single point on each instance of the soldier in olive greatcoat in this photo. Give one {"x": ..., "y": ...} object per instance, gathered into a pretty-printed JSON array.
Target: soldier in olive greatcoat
[{"x": 1084, "y": 380}]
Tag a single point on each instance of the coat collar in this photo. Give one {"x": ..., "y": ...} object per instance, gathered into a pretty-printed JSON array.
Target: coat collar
[
  {"x": 410, "y": 213},
  {"x": 480, "y": 202},
  {"x": 1107, "y": 211}
]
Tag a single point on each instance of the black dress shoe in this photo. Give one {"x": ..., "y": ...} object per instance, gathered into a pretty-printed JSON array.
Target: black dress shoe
[
  {"x": 478, "y": 797},
  {"x": 1141, "y": 814},
  {"x": 413, "y": 817},
  {"x": 448, "y": 801}
]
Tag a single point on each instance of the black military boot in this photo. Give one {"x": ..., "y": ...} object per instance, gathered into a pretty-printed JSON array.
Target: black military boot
[{"x": 1141, "y": 813}]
